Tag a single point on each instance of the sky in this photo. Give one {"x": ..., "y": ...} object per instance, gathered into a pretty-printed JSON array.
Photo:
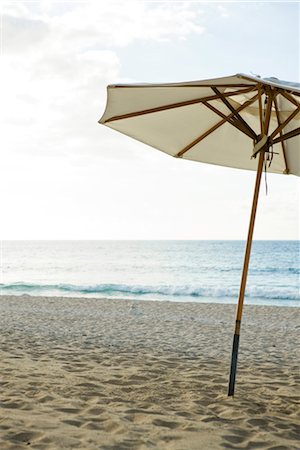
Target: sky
[{"x": 64, "y": 176}]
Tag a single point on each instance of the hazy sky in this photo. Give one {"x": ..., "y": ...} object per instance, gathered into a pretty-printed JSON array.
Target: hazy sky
[{"x": 64, "y": 176}]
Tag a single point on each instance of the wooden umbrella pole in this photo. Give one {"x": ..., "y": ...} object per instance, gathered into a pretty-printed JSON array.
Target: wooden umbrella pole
[{"x": 236, "y": 337}]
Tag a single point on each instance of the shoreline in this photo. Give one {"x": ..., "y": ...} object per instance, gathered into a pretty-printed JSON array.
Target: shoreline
[
  {"x": 206, "y": 300},
  {"x": 125, "y": 374}
]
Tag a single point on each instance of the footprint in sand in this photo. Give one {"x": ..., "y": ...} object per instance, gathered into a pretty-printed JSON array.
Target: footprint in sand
[
  {"x": 74, "y": 423},
  {"x": 165, "y": 423},
  {"x": 26, "y": 437}
]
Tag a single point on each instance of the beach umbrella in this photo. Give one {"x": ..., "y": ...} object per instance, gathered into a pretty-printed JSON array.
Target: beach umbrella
[{"x": 239, "y": 121}]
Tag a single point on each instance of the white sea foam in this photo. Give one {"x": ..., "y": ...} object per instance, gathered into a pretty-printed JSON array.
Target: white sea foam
[{"x": 158, "y": 270}]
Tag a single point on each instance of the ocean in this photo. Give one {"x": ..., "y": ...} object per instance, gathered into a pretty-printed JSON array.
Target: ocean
[{"x": 197, "y": 271}]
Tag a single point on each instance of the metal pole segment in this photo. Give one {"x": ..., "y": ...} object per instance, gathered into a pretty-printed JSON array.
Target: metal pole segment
[{"x": 239, "y": 311}]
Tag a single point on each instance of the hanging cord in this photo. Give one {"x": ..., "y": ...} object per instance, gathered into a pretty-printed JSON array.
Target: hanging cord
[
  {"x": 260, "y": 145},
  {"x": 269, "y": 155},
  {"x": 265, "y": 169}
]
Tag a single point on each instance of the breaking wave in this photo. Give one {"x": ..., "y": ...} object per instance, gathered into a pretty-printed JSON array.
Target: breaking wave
[{"x": 139, "y": 291}]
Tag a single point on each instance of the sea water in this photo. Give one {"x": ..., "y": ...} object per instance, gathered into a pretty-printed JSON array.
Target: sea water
[{"x": 198, "y": 271}]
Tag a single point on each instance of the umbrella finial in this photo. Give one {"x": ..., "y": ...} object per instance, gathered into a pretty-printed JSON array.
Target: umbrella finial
[{"x": 255, "y": 74}]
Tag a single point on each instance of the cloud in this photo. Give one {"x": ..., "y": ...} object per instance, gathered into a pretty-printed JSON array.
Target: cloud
[
  {"x": 121, "y": 23},
  {"x": 19, "y": 34},
  {"x": 224, "y": 12},
  {"x": 58, "y": 58},
  {"x": 94, "y": 24}
]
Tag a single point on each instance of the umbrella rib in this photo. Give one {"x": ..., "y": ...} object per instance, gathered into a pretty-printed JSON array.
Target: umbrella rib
[
  {"x": 238, "y": 116},
  {"x": 282, "y": 142},
  {"x": 217, "y": 125},
  {"x": 260, "y": 92},
  {"x": 284, "y": 124},
  {"x": 286, "y": 136},
  {"x": 232, "y": 120},
  {"x": 176, "y": 105},
  {"x": 288, "y": 97}
]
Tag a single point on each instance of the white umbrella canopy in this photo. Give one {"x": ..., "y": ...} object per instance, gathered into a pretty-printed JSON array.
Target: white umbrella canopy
[
  {"x": 212, "y": 121},
  {"x": 226, "y": 121}
]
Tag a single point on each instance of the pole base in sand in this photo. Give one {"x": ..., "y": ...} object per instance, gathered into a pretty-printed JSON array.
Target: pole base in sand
[{"x": 234, "y": 357}]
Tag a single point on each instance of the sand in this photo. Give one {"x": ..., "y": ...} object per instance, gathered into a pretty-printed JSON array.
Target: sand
[{"x": 114, "y": 374}]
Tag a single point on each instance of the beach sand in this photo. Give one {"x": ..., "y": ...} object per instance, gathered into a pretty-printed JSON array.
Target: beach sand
[{"x": 119, "y": 374}]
